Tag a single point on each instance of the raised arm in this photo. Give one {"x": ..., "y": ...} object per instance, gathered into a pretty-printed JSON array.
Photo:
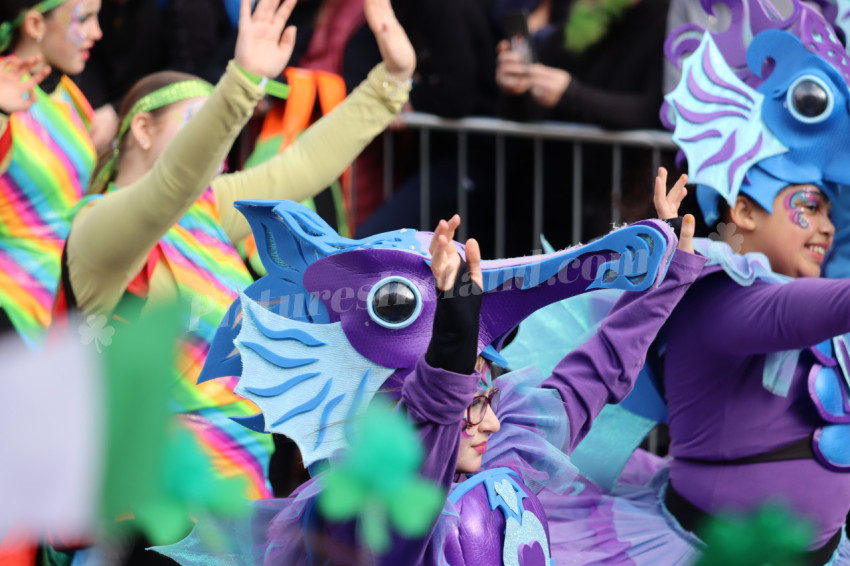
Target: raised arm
[
  {"x": 17, "y": 93},
  {"x": 111, "y": 239},
  {"x": 327, "y": 147},
  {"x": 437, "y": 393},
  {"x": 603, "y": 369}
]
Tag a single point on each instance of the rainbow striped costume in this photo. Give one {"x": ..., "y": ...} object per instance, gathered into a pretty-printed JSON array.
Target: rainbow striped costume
[
  {"x": 209, "y": 274},
  {"x": 50, "y": 158}
]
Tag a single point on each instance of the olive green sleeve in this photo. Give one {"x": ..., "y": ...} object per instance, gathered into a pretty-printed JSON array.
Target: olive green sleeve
[
  {"x": 111, "y": 238},
  {"x": 319, "y": 155}
]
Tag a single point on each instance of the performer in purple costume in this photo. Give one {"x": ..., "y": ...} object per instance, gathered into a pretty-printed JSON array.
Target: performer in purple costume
[
  {"x": 493, "y": 466},
  {"x": 754, "y": 385},
  {"x": 754, "y": 363}
]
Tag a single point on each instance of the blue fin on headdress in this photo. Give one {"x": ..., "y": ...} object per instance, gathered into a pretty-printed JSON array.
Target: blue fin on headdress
[
  {"x": 284, "y": 229},
  {"x": 294, "y": 374},
  {"x": 490, "y": 353},
  {"x": 718, "y": 122}
]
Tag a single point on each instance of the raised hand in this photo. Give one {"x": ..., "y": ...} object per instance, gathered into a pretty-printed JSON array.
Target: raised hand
[
  {"x": 445, "y": 260},
  {"x": 16, "y": 92},
  {"x": 396, "y": 49},
  {"x": 667, "y": 207},
  {"x": 667, "y": 204},
  {"x": 263, "y": 47}
]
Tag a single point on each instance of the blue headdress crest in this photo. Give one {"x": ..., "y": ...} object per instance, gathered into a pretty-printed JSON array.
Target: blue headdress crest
[
  {"x": 760, "y": 105},
  {"x": 338, "y": 321}
]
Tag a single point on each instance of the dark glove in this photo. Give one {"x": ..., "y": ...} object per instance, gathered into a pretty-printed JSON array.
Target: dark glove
[
  {"x": 454, "y": 342},
  {"x": 675, "y": 224}
]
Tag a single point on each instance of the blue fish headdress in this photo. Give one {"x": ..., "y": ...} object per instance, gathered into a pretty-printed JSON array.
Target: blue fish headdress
[
  {"x": 337, "y": 321},
  {"x": 762, "y": 104}
]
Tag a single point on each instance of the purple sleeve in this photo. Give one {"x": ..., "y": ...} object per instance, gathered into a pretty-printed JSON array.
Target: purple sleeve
[
  {"x": 603, "y": 369},
  {"x": 768, "y": 317},
  {"x": 436, "y": 402}
]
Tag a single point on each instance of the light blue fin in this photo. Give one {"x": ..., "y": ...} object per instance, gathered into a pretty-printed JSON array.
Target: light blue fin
[
  {"x": 307, "y": 379},
  {"x": 718, "y": 121}
]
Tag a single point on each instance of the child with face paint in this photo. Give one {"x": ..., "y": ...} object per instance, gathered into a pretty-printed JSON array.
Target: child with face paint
[
  {"x": 754, "y": 361},
  {"x": 753, "y": 364},
  {"x": 600, "y": 371},
  {"x": 162, "y": 221},
  {"x": 494, "y": 443},
  {"x": 46, "y": 152}
]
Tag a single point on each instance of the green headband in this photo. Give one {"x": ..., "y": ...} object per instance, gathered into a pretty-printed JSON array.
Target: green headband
[
  {"x": 7, "y": 28},
  {"x": 160, "y": 98}
]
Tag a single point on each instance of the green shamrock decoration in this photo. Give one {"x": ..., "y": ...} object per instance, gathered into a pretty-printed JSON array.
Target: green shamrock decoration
[
  {"x": 377, "y": 482},
  {"x": 153, "y": 468},
  {"x": 772, "y": 536}
]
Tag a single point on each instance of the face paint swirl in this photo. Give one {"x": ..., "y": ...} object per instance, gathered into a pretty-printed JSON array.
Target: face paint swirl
[{"x": 800, "y": 204}]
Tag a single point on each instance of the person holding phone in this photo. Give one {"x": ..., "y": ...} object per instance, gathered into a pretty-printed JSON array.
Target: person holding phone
[{"x": 612, "y": 79}]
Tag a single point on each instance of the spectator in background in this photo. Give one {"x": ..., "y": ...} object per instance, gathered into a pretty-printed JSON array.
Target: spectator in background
[
  {"x": 454, "y": 42},
  {"x": 454, "y": 46},
  {"x": 603, "y": 67},
  {"x": 544, "y": 16}
]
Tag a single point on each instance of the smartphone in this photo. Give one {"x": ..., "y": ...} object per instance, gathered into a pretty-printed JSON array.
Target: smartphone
[{"x": 516, "y": 30}]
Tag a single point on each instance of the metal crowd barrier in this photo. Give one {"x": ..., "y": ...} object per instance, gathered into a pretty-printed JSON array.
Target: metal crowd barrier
[{"x": 579, "y": 134}]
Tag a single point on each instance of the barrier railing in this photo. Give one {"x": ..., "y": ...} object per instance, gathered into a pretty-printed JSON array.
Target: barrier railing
[{"x": 539, "y": 132}]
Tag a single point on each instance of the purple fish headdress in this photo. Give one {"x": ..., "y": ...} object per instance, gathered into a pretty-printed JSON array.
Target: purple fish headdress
[
  {"x": 336, "y": 320},
  {"x": 761, "y": 104}
]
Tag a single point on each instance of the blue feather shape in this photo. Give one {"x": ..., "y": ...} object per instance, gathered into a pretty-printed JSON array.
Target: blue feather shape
[
  {"x": 278, "y": 360},
  {"x": 257, "y": 423},
  {"x": 289, "y": 334},
  {"x": 315, "y": 413},
  {"x": 323, "y": 422},
  {"x": 711, "y": 98},
  {"x": 283, "y": 387},
  {"x": 308, "y": 405}
]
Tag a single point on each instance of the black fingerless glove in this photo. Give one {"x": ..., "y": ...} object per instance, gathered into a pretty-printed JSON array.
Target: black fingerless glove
[
  {"x": 675, "y": 224},
  {"x": 454, "y": 342}
]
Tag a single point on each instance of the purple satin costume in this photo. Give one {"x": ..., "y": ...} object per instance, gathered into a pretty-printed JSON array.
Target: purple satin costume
[
  {"x": 719, "y": 410},
  {"x": 542, "y": 421}
]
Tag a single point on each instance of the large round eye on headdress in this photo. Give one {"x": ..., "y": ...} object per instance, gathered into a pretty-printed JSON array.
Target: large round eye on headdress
[
  {"x": 394, "y": 302},
  {"x": 810, "y": 99}
]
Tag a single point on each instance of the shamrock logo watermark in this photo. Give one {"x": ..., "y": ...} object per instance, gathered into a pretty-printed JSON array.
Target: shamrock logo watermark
[
  {"x": 728, "y": 232},
  {"x": 95, "y": 329}
]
